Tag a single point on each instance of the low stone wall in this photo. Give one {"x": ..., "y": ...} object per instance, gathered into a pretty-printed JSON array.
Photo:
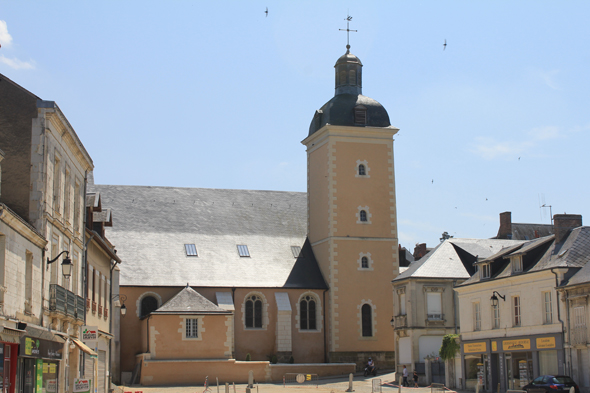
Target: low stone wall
[
  {"x": 192, "y": 372},
  {"x": 321, "y": 369}
]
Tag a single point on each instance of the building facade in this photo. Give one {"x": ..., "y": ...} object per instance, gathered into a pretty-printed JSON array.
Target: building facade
[
  {"x": 512, "y": 321},
  {"x": 44, "y": 181}
]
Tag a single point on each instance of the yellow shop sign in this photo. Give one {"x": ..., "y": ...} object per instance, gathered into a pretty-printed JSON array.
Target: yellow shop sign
[
  {"x": 545, "y": 342},
  {"x": 475, "y": 347},
  {"x": 516, "y": 345}
]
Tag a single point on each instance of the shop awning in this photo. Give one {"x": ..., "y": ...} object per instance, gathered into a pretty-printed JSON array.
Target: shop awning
[{"x": 84, "y": 348}]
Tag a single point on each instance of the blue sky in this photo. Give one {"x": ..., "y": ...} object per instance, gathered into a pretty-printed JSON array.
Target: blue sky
[{"x": 214, "y": 94}]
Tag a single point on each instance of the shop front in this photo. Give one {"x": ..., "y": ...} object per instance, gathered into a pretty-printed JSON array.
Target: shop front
[
  {"x": 512, "y": 362},
  {"x": 10, "y": 335},
  {"x": 39, "y": 361}
]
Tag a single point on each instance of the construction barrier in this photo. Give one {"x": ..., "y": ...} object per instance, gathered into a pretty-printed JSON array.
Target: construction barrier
[
  {"x": 302, "y": 379},
  {"x": 437, "y": 388}
]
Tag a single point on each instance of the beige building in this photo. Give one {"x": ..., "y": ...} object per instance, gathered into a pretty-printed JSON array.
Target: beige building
[
  {"x": 44, "y": 181},
  {"x": 512, "y": 321},
  {"x": 21, "y": 250},
  {"x": 426, "y": 307},
  {"x": 300, "y": 278}
]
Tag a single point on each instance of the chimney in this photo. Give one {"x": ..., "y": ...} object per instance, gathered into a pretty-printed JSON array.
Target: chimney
[
  {"x": 505, "y": 230},
  {"x": 419, "y": 251},
  {"x": 563, "y": 225}
]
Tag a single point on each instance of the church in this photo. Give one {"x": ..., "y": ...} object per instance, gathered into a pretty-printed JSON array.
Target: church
[{"x": 220, "y": 282}]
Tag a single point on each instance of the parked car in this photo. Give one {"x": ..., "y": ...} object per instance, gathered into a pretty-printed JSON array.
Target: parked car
[{"x": 551, "y": 384}]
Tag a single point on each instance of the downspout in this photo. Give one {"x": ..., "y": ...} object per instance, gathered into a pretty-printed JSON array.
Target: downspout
[
  {"x": 325, "y": 342},
  {"x": 559, "y": 319},
  {"x": 43, "y": 266},
  {"x": 455, "y": 306},
  {"x": 85, "y": 251},
  {"x": 111, "y": 322}
]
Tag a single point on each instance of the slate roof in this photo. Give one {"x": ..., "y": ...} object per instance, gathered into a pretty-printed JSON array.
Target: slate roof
[
  {"x": 151, "y": 225},
  {"x": 545, "y": 253},
  {"x": 189, "y": 301},
  {"x": 453, "y": 258},
  {"x": 530, "y": 231}
]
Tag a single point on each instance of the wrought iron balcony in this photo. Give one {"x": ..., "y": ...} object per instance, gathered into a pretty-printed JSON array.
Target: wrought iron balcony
[
  {"x": 401, "y": 321},
  {"x": 65, "y": 302},
  {"x": 579, "y": 335}
]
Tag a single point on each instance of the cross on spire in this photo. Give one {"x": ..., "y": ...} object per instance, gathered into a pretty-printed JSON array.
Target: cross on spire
[{"x": 348, "y": 19}]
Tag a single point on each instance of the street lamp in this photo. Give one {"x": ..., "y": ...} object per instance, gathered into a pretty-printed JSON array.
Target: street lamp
[
  {"x": 494, "y": 299},
  {"x": 66, "y": 264},
  {"x": 392, "y": 322},
  {"x": 119, "y": 301}
]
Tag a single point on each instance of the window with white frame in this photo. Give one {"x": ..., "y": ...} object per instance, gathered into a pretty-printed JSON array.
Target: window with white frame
[
  {"x": 496, "y": 316},
  {"x": 547, "y": 308},
  {"x": 517, "y": 264},
  {"x": 362, "y": 169},
  {"x": 476, "y": 316},
  {"x": 434, "y": 305},
  {"x": 516, "y": 311},
  {"x": 191, "y": 326},
  {"x": 485, "y": 270}
]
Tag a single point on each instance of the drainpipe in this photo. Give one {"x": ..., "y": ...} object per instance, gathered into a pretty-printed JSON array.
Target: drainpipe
[
  {"x": 325, "y": 343},
  {"x": 455, "y": 306},
  {"x": 111, "y": 321},
  {"x": 565, "y": 364}
]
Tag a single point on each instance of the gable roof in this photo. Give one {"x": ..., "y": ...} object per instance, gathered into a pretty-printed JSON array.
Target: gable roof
[
  {"x": 151, "y": 226},
  {"x": 450, "y": 258},
  {"x": 189, "y": 301}
]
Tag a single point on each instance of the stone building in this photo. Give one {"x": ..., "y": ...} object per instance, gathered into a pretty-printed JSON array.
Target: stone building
[
  {"x": 300, "y": 277},
  {"x": 44, "y": 176}
]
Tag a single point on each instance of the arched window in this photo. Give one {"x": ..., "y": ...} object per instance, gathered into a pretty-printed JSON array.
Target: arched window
[
  {"x": 307, "y": 311},
  {"x": 362, "y": 170},
  {"x": 148, "y": 304},
  {"x": 363, "y": 216},
  {"x": 365, "y": 262},
  {"x": 367, "y": 320},
  {"x": 254, "y": 312}
]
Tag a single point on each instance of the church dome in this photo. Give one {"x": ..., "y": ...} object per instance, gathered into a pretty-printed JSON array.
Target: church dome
[{"x": 350, "y": 107}]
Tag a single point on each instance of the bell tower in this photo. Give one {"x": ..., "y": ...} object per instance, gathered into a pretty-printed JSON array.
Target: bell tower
[{"x": 352, "y": 219}]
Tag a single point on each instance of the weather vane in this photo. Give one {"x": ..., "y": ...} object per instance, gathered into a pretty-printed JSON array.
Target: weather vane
[{"x": 348, "y": 19}]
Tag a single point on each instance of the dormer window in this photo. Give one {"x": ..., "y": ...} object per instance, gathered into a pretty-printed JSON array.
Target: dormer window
[
  {"x": 360, "y": 115},
  {"x": 486, "y": 270},
  {"x": 517, "y": 264}
]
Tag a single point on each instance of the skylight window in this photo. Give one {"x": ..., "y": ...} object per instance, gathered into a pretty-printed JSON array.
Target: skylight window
[
  {"x": 243, "y": 250},
  {"x": 191, "y": 250},
  {"x": 296, "y": 250}
]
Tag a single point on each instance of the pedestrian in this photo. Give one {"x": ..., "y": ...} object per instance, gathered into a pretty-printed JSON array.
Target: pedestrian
[
  {"x": 416, "y": 379},
  {"x": 405, "y": 376}
]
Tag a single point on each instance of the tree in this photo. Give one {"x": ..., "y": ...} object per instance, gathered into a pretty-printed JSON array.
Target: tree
[
  {"x": 449, "y": 347},
  {"x": 445, "y": 236}
]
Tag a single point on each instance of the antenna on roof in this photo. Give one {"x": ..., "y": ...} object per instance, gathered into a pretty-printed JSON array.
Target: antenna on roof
[{"x": 544, "y": 205}]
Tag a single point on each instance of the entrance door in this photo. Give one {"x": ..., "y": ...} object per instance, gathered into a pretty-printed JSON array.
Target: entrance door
[{"x": 509, "y": 380}]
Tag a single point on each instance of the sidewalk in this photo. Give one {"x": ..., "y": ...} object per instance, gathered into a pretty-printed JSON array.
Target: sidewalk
[{"x": 328, "y": 385}]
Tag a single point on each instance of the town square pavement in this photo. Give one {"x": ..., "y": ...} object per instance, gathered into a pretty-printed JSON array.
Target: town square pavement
[{"x": 325, "y": 385}]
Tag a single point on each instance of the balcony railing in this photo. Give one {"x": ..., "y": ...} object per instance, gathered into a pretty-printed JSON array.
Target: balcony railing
[
  {"x": 106, "y": 313},
  {"x": 99, "y": 310},
  {"x": 435, "y": 317},
  {"x": 66, "y": 302},
  {"x": 94, "y": 307},
  {"x": 579, "y": 335},
  {"x": 401, "y": 321}
]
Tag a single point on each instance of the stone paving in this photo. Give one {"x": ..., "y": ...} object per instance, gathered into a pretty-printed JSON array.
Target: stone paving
[{"x": 360, "y": 385}]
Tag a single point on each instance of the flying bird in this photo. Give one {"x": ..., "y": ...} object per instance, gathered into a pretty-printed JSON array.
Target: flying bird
[
  {"x": 445, "y": 44},
  {"x": 432, "y": 181},
  {"x": 266, "y": 12}
]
